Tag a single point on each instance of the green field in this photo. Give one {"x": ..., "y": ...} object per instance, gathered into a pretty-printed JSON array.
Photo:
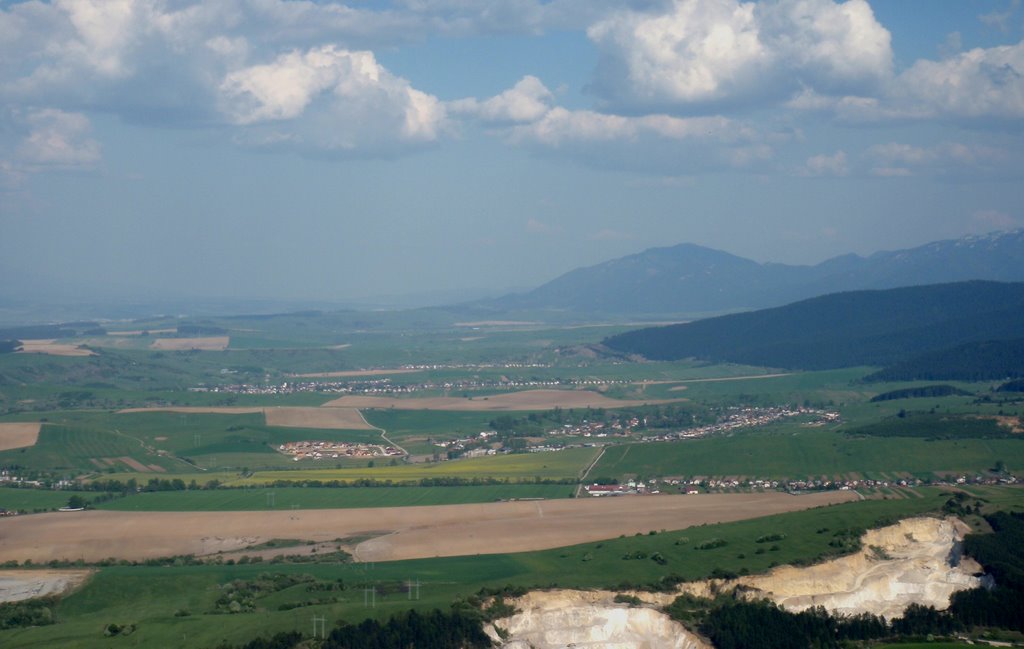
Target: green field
[
  {"x": 326, "y": 498},
  {"x": 150, "y": 597},
  {"x": 71, "y": 450},
  {"x": 524, "y": 467},
  {"x": 28, "y": 500},
  {"x": 414, "y": 429},
  {"x": 789, "y": 451},
  {"x": 71, "y": 439}
]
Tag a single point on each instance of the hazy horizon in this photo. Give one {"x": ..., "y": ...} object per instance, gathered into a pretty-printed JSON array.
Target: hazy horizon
[{"x": 324, "y": 152}]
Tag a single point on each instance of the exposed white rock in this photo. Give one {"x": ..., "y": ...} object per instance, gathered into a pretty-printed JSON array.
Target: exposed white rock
[
  {"x": 588, "y": 620},
  {"x": 916, "y": 561}
]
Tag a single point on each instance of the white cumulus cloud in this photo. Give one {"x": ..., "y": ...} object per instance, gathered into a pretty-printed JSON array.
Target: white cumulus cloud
[
  {"x": 346, "y": 101},
  {"x": 977, "y": 83},
  {"x": 649, "y": 143},
  {"x": 526, "y": 101},
  {"x": 58, "y": 139},
  {"x": 827, "y": 165},
  {"x": 699, "y": 53}
]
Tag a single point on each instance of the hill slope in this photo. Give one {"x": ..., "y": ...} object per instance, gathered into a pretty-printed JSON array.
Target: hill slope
[
  {"x": 843, "y": 329},
  {"x": 692, "y": 279}
]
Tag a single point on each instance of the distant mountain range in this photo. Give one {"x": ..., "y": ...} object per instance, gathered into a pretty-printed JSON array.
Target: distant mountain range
[
  {"x": 691, "y": 279},
  {"x": 856, "y": 328}
]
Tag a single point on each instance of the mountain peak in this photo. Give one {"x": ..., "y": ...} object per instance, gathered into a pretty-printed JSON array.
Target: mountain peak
[{"x": 688, "y": 278}]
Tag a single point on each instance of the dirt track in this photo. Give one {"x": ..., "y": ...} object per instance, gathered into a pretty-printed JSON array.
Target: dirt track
[
  {"x": 402, "y": 532},
  {"x": 525, "y": 400}
]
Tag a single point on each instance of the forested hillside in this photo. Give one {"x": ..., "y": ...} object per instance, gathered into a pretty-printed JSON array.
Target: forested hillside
[
  {"x": 989, "y": 360},
  {"x": 843, "y": 329}
]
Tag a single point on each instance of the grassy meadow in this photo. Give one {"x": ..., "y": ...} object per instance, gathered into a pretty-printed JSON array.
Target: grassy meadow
[
  {"x": 791, "y": 451},
  {"x": 19, "y": 499}
]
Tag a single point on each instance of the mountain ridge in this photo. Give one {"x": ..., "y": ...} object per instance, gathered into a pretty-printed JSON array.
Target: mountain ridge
[{"x": 689, "y": 278}]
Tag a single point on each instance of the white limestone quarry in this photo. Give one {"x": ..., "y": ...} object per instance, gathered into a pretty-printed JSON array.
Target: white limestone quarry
[
  {"x": 916, "y": 561},
  {"x": 588, "y": 620}
]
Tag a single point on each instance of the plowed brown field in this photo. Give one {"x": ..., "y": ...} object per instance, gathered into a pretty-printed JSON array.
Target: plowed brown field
[
  {"x": 401, "y": 532},
  {"x": 18, "y": 435}
]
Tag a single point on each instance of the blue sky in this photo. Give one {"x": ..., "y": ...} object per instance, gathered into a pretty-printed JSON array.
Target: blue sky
[{"x": 321, "y": 150}]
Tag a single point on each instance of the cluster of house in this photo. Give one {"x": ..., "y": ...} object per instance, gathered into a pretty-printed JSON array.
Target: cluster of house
[
  {"x": 386, "y": 385},
  {"x": 362, "y": 386},
  {"x": 9, "y": 477},
  {"x": 737, "y": 417},
  {"x": 615, "y": 428},
  {"x": 318, "y": 450},
  {"x": 476, "y": 445},
  {"x": 697, "y": 484},
  {"x": 631, "y": 488}
]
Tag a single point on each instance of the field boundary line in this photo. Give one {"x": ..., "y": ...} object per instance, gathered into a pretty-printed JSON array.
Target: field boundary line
[
  {"x": 150, "y": 450},
  {"x": 383, "y": 433},
  {"x": 583, "y": 477}
]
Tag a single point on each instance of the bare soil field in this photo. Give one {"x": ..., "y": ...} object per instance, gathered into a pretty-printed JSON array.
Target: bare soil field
[
  {"x": 53, "y": 348},
  {"x": 209, "y": 344},
  {"x": 134, "y": 464},
  {"x": 18, "y": 585},
  {"x": 332, "y": 418},
  {"x": 18, "y": 435},
  {"x": 525, "y": 400},
  {"x": 286, "y": 417},
  {"x": 405, "y": 532},
  {"x": 344, "y": 373}
]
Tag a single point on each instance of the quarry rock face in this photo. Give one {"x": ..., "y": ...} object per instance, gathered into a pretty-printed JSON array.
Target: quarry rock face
[
  {"x": 916, "y": 561},
  {"x": 589, "y": 620}
]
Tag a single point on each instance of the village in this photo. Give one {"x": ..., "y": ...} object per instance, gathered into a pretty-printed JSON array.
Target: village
[
  {"x": 747, "y": 417},
  {"x": 708, "y": 484},
  {"x": 319, "y": 450},
  {"x": 587, "y": 433},
  {"x": 387, "y": 387}
]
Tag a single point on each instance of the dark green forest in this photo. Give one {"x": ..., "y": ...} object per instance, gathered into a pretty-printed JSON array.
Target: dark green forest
[
  {"x": 932, "y": 425},
  {"x": 920, "y": 392},
  {"x": 989, "y": 360},
  {"x": 842, "y": 329}
]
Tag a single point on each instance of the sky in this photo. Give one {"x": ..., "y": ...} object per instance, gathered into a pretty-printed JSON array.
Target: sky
[{"x": 337, "y": 151}]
